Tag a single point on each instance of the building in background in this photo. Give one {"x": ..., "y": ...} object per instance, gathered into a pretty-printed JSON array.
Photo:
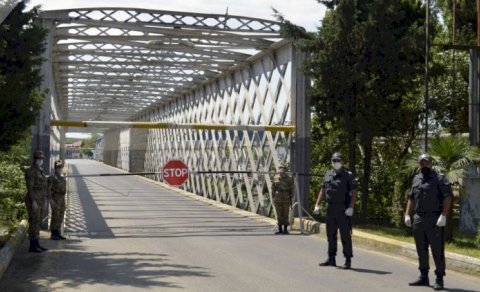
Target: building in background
[{"x": 73, "y": 151}]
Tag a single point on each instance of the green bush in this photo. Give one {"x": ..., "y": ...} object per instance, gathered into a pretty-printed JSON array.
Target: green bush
[{"x": 12, "y": 184}]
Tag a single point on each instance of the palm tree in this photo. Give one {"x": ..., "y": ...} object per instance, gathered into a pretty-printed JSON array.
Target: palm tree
[{"x": 452, "y": 156}]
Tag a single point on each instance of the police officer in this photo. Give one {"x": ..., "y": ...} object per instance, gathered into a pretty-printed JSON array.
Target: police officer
[
  {"x": 57, "y": 188},
  {"x": 430, "y": 197},
  {"x": 339, "y": 189},
  {"x": 35, "y": 200},
  {"x": 282, "y": 195}
]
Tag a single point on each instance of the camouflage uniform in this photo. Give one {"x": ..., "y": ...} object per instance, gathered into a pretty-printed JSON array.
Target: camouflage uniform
[
  {"x": 57, "y": 186},
  {"x": 35, "y": 201},
  {"x": 282, "y": 197}
]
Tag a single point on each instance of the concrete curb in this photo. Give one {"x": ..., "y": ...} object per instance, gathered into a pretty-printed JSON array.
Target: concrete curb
[
  {"x": 6, "y": 253},
  {"x": 456, "y": 262}
]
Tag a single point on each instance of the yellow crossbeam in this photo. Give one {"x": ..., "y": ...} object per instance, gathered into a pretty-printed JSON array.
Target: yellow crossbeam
[{"x": 154, "y": 125}]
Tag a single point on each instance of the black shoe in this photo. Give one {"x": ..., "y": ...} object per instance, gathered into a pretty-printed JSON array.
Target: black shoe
[
  {"x": 34, "y": 247},
  {"x": 438, "y": 284},
  {"x": 39, "y": 246},
  {"x": 279, "y": 230},
  {"x": 421, "y": 281},
  {"x": 285, "y": 231},
  {"x": 348, "y": 264},
  {"x": 56, "y": 235},
  {"x": 329, "y": 262}
]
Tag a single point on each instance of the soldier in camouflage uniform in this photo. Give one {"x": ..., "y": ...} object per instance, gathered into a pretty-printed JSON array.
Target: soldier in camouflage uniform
[
  {"x": 57, "y": 188},
  {"x": 35, "y": 200},
  {"x": 282, "y": 195}
]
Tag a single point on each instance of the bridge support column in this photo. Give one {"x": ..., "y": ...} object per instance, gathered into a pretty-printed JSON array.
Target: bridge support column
[
  {"x": 300, "y": 155},
  {"x": 111, "y": 147},
  {"x": 138, "y": 148},
  {"x": 44, "y": 137}
]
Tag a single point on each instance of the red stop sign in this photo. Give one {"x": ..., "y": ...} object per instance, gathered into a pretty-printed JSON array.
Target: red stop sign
[{"x": 175, "y": 172}]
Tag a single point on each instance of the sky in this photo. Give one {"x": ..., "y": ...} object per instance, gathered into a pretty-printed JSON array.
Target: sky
[{"x": 306, "y": 13}]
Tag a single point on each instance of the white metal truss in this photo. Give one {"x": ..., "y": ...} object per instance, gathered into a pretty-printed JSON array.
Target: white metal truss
[
  {"x": 256, "y": 94},
  {"x": 124, "y": 64},
  {"x": 114, "y": 63}
]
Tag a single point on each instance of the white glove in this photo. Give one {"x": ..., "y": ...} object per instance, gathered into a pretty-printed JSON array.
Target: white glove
[
  {"x": 442, "y": 221},
  {"x": 34, "y": 205},
  {"x": 316, "y": 211},
  {"x": 408, "y": 221},
  {"x": 349, "y": 212}
]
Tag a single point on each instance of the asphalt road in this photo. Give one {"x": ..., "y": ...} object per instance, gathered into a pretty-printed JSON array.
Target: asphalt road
[{"x": 127, "y": 234}]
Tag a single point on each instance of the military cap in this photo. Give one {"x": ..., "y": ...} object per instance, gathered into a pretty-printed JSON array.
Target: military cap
[
  {"x": 38, "y": 154},
  {"x": 424, "y": 156},
  {"x": 58, "y": 164},
  {"x": 337, "y": 155}
]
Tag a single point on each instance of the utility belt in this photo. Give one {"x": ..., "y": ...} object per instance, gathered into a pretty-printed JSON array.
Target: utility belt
[
  {"x": 331, "y": 202},
  {"x": 423, "y": 214},
  {"x": 58, "y": 193}
]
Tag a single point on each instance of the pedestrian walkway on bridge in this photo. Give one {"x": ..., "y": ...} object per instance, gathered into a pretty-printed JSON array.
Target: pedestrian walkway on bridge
[{"x": 130, "y": 234}]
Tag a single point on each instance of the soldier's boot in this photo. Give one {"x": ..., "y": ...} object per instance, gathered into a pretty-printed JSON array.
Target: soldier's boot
[
  {"x": 279, "y": 229},
  {"x": 329, "y": 262},
  {"x": 39, "y": 246},
  {"x": 285, "y": 230},
  {"x": 54, "y": 235},
  {"x": 421, "y": 281},
  {"x": 34, "y": 247},
  {"x": 438, "y": 283},
  {"x": 60, "y": 235},
  {"x": 348, "y": 264}
]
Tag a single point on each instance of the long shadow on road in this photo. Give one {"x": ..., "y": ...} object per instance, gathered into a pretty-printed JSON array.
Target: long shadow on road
[
  {"x": 74, "y": 268},
  {"x": 83, "y": 215}
]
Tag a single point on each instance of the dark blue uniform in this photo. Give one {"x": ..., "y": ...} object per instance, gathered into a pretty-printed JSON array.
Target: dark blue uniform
[
  {"x": 427, "y": 194},
  {"x": 337, "y": 188}
]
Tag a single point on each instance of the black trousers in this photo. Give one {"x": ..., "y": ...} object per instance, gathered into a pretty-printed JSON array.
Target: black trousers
[
  {"x": 427, "y": 233},
  {"x": 337, "y": 220}
]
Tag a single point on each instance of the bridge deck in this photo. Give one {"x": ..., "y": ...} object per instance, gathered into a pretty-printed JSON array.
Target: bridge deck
[{"x": 127, "y": 234}]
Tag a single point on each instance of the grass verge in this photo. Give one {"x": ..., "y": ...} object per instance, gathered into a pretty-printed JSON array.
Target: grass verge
[{"x": 464, "y": 244}]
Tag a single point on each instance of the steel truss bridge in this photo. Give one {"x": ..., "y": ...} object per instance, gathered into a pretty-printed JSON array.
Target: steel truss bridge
[{"x": 122, "y": 66}]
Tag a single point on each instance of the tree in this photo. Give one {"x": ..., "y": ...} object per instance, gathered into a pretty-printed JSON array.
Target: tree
[
  {"x": 367, "y": 65},
  {"x": 450, "y": 84},
  {"x": 465, "y": 20},
  {"x": 21, "y": 47}
]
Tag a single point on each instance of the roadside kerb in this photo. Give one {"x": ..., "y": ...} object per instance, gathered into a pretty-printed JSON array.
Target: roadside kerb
[{"x": 16, "y": 239}]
